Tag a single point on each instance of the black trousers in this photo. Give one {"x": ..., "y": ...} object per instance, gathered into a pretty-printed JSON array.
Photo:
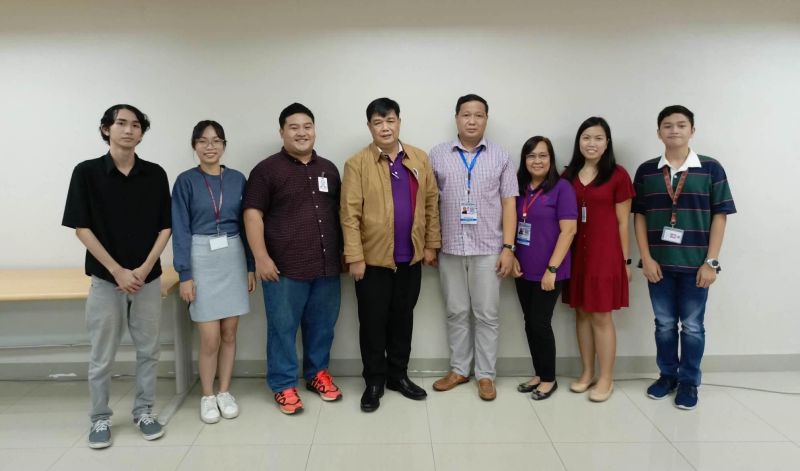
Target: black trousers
[
  {"x": 386, "y": 300},
  {"x": 537, "y": 307}
]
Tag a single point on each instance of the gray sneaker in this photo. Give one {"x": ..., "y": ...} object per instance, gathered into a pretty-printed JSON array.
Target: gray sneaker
[
  {"x": 150, "y": 427},
  {"x": 100, "y": 434}
]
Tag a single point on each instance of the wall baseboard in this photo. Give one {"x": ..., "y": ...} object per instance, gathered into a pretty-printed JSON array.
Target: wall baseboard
[{"x": 567, "y": 366}]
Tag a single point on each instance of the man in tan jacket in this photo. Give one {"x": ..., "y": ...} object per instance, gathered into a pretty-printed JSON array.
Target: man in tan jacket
[{"x": 390, "y": 223}]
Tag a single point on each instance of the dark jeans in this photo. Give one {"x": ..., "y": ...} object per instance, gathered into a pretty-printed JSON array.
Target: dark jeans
[
  {"x": 676, "y": 297},
  {"x": 312, "y": 306},
  {"x": 537, "y": 308},
  {"x": 386, "y": 300}
]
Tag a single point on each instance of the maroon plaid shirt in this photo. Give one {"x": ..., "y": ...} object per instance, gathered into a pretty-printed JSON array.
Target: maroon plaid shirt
[{"x": 301, "y": 223}]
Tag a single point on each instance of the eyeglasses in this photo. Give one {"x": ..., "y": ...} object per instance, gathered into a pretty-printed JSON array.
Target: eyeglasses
[
  {"x": 214, "y": 142},
  {"x": 539, "y": 157}
]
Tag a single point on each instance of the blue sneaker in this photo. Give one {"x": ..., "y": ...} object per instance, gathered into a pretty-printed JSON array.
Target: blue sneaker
[
  {"x": 686, "y": 398},
  {"x": 150, "y": 427},
  {"x": 662, "y": 387},
  {"x": 100, "y": 434}
]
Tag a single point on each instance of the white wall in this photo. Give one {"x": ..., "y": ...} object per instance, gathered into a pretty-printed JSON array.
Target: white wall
[{"x": 544, "y": 66}]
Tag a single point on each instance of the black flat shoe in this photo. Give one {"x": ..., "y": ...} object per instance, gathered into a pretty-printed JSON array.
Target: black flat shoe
[
  {"x": 370, "y": 400},
  {"x": 537, "y": 395},
  {"x": 526, "y": 388},
  {"x": 407, "y": 388}
]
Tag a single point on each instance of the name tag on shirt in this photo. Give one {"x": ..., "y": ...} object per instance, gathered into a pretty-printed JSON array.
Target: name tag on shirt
[
  {"x": 583, "y": 213},
  {"x": 323, "y": 184},
  {"x": 523, "y": 233},
  {"x": 469, "y": 213},
  {"x": 672, "y": 235},
  {"x": 218, "y": 242}
]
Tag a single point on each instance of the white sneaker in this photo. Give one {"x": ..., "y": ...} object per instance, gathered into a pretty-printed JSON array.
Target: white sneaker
[
  {"x": 209, "y": 413},
  {"x": 227, "y": 405}
]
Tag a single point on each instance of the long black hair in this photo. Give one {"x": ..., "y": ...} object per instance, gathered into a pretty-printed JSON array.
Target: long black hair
[
  {"x": 524, "y": 178},
  {"x": 607, "y": 163}
]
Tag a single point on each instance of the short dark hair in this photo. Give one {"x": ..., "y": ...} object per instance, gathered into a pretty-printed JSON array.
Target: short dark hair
[
  {"x": 524, "y": 178},
  {"x": 294, "y": 108},
  {"x": 382, "y": 107},
  {"x": 676, "y": 109},
  {"x": 200, "y": 128},
  {"x": 607, "y": 163},
  {"x": 471, "y": 97},
  {"x": 111, "y": 115}
]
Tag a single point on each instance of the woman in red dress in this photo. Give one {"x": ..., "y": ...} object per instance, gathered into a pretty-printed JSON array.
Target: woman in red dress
[{"x": 600, "y": 263}]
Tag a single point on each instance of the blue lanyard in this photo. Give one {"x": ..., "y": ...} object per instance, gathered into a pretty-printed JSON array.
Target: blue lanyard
[{"x": 470, "y": 166}]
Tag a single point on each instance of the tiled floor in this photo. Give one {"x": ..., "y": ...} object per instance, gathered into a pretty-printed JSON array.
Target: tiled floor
[{"x": 43, "y": 426}]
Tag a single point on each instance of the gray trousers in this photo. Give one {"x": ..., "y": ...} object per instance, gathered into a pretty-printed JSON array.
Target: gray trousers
[
  {"x": 471, "y": 288},
  {"x": 108, "y": 310}
]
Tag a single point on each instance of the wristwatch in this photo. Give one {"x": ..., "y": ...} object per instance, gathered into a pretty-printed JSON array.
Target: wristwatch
[
  {"x": 714, "y": 263},
  {"x": 552, "y": 269},
  {"x": 510, "y": 247},
  {"x": 628, "y": 261}
]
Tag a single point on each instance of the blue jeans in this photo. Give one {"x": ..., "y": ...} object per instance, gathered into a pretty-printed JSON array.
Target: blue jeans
[
  {"x": 676, "y": 297},
  {"x": 313, "y": 306}
]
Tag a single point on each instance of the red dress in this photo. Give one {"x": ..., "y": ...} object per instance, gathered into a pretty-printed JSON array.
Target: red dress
[{"x": 599, "y": 282}]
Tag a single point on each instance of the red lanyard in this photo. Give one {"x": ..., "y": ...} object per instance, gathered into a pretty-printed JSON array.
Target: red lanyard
[
  {"x": 674, "y": 194},
  {"x": 217, "y": 209},
  {"x": 527, "y": 205}
]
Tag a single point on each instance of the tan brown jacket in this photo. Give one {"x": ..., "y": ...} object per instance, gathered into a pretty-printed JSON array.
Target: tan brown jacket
[{"x": 367, "y": 208}]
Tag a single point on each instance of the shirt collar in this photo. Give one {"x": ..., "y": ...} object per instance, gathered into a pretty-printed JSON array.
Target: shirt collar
[
  {"x": 377, "y": 153},
  {"x": 286, "y": 154},
  {"x": 456, "y": 144},
  {"x": 692, "y": 161},
  {"x": 108, "y": 162}
]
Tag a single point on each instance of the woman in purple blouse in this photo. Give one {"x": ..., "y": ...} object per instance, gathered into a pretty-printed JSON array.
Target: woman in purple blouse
[{"x": 546, "y": 223}]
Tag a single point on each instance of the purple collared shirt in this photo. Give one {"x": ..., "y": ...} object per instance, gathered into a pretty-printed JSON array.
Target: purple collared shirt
[
  {"x": 544, "y": 215},
  {"x": 403, "y": 212},
  {"x": 493, "y": 178}
]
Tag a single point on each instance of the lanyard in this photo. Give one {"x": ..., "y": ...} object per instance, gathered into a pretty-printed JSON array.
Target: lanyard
[
  {"x": 217, "y": 209},
  {"x": 527, "y": 205},
  {"x": 674, "y": 194},
  {"x": 469, "y": 166}
]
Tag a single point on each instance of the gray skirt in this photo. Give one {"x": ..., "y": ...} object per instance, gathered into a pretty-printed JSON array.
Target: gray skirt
[{"x": 220, "y": 280}]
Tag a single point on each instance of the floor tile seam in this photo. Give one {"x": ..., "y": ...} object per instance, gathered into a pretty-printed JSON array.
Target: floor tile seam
[
  {"x": 683, "y": 442},
  {"x": 755, "y": 413},
  {"x": 313, "y": 438},
  {"x": 664, "y": 435},
  {"x": 430, "y": 430},
  {"x": 547, "y": 434},
  {"x": 60, "y": 457},
  {"x": 183, "y": 458}
]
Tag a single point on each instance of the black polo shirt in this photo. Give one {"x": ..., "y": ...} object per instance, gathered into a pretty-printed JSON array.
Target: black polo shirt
[{"x": 125, "y": 213}]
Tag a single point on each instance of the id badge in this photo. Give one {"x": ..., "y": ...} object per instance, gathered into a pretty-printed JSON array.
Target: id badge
[
  {"x": 583, "y": 213},
  {"x": 672, "y": 235},
  {"x": 469, "y": 213},
  {"x": 323, "y": 184},
  {"x": 523, "y": 233},
  {"x": 218, "y": 241}
]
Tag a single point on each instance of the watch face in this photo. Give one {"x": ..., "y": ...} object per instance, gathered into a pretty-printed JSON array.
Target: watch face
[{"x": 714, "y": 263}]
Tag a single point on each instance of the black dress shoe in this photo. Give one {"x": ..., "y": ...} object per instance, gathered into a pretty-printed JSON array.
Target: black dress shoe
[
  {"x": 370, "y": 400},
  {"x": 537, "y": 395},
  {"x": 407, "y": 388}
]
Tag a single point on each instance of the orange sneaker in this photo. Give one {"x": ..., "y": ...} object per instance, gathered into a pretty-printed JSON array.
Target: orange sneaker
[
  {"x": 322, "y": 384},
  {"x": 289, "y": 401}
]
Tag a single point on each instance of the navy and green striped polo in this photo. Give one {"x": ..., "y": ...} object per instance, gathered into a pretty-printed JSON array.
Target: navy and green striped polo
[{"x": 705, "y": 194}]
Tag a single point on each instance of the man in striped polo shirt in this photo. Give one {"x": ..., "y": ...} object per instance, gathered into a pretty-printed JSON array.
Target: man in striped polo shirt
[{"x": 681, "y": 207}]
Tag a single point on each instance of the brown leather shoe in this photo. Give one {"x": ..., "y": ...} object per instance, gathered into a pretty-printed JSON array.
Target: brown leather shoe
[
  {"x": 449, "y": 381},
  {"x": 486, "y": 389}
]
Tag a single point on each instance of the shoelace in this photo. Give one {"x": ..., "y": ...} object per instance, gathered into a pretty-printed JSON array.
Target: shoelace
[
  {"x": 101, "y": 425},
  {"x": 284, "y": 397},
  {"x": 225, "y": 399},
  {"x": 146, "y": 419},
  {"x": 325, "y": 382},
  {"x": 209, "y": 402}
]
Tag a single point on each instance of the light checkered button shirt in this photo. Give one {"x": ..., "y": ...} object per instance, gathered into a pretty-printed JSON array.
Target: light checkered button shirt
[{"x": 493, "y": 178}]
